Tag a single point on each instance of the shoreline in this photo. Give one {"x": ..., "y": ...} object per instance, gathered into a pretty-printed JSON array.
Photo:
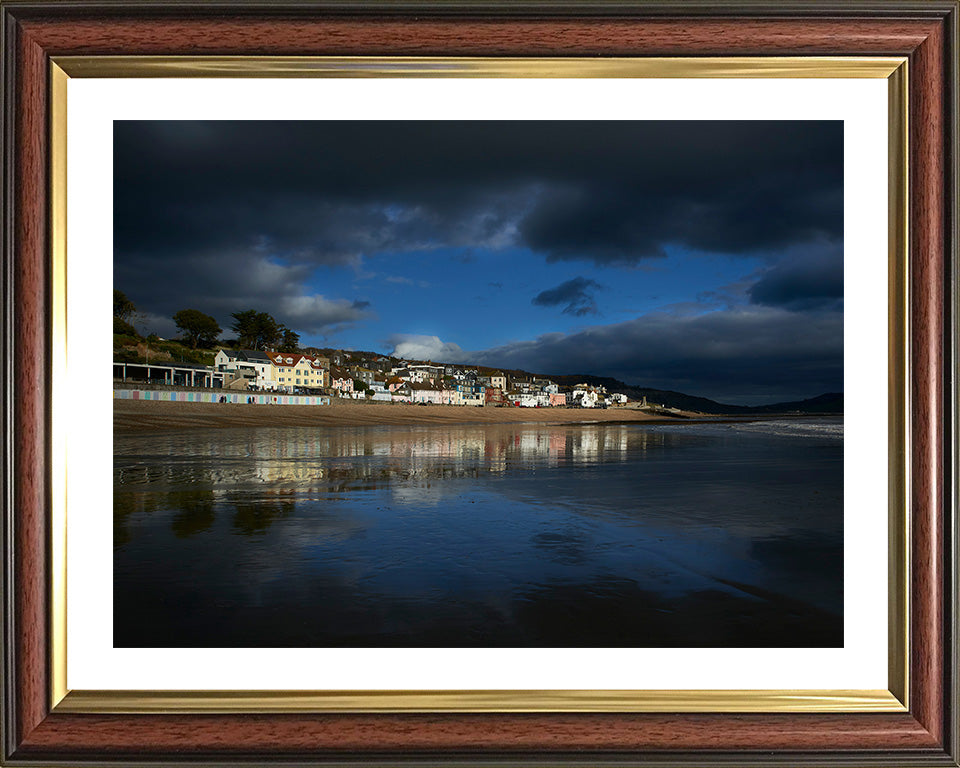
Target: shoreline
[
  {"x": 137, "y": 416},
  {"x": 130, "y": 416}
]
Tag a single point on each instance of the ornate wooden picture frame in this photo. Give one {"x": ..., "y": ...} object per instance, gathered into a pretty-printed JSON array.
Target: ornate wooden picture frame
[{"x": 42, "y": 725}]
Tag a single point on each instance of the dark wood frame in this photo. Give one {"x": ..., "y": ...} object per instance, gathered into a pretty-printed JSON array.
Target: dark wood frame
[{"x": 926, "y": 32}]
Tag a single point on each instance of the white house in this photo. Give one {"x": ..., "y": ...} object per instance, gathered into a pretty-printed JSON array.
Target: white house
[
  {"x": 534, "y": 400},
  {"x": 585, "y": 398},
  {"x": 381, "y": 392},
  {"x": 428, "y": 393},
  {"x": 251, "y": 364}
]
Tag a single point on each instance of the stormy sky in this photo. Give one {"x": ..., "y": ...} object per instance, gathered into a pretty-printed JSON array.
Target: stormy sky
[{"x": 704, "y": 257}]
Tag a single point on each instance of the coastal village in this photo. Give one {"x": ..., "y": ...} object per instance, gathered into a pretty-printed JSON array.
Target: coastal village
[{"x": 267, "y": 376}]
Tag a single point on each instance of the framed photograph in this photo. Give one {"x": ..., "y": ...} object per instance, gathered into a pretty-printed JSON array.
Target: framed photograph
[{"x": 524, "y": 384}]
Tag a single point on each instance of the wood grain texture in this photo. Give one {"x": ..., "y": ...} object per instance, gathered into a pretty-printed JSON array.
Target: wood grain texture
[
  {"x": 345, "y": 37},
  {"x": 920, "y": 734},
  {"x": 928, "y": 355},
  {"x": 30, "y": 420},
  {"x": 298, "y": 734}
]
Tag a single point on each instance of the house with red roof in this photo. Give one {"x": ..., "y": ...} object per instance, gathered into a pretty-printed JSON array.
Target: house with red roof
[{"x": 293, "y": 371}]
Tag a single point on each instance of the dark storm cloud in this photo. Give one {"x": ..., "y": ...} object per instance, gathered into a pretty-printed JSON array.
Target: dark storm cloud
[
  {"x": 746, "y": 355},
  {"x": 574, "y": 295},
  {"x": 303, "y": 195},
  {"x": 219, "y": 284},
  {"x": 802, "y": 282},
  {"x": 606, "y": 191}
]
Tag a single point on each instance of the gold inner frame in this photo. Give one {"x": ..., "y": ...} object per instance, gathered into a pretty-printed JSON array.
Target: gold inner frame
[{"x": 895, "y": 699}]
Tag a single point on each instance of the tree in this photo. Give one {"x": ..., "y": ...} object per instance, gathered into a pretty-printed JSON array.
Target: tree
[
  {"x": 123, "y": 328},
  {"x": 256, "y": 330},
  {"x": 289, "y": 340},
  {"x": 245, "y": 326},
  {"x": 123, "y": 308},
  {"x": 199, "y": 329}
]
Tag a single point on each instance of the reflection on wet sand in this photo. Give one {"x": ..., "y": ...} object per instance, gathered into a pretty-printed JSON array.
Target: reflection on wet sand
[
  {"x": 359, "y": 459},
  {"x": 531, "y": 535}
]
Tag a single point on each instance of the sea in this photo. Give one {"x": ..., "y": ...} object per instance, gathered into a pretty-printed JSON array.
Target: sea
[{"x": 694, "y": 534}]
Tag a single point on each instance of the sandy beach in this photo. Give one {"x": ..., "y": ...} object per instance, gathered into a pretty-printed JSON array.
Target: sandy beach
[{"x": 151, "y": 416}]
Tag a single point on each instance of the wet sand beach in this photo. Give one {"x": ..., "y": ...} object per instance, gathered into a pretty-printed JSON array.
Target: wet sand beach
[
  {"x": 693, "y": 534},
  {"x": 150, "y": 416}
]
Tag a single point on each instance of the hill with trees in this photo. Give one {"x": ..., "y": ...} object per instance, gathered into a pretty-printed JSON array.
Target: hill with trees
[{"x": 826, "y": 403}]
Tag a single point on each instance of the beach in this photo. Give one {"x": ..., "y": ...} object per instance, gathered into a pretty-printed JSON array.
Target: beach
[
  {"x": 691, "y": 534},
  {"x": 130, "y": 416}
]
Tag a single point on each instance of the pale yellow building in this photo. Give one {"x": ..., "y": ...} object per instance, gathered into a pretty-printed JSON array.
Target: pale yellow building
[{"x": 293, "y": 370}]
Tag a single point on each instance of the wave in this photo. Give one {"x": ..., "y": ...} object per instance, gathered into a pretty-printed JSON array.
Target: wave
[
  {"x": 830, "y": 430},
  {"x": 794, "y": 428}
]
